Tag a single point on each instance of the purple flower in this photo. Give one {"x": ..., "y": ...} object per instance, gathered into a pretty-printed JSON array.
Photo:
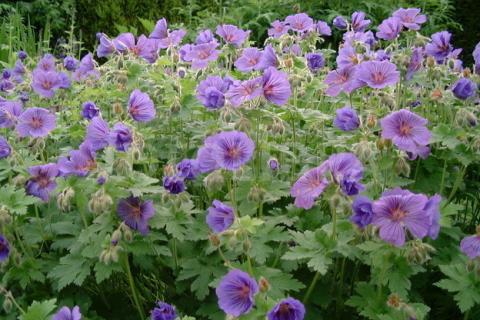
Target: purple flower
[
  {"x": 201, "y": 54},
  {"x": 232, "y": 34},
  {"x": 346, "y": 171},
  {"x": 464, "y": 88},
  {"x": 323, "y": 28},
  {"x": 476, "y": 58},
  {"x": 136, "y": 213},
  {"x": 211, "y": 92},
  {"x": 407, "y": 131},
  {"x": 268, "y": 59},
  {"x": 105, "y": 46},
  {"x": 70, "y": 63},
  {"x": 120, "y": 137},
  {"x": 340, "y": 23},
  {"x": 294, "y": 49},
  {"x": 359, "y": 23},
  {"x": 299, "y": 22},
  {"x": 416, "y": 61},
  {"x": 188, "y": 169},
  {"x": 440, "y": 47},
  {"x": 98, "y": 133},
  {"x": 236, "y": 293},
  {"x": 18, "y": 71},
  {"x": 378, "y": 74},
  {"x": 90, "y": 110},
  {"x": 249, "y": 60},
  {"x": 163, "y": 311},
  {"x": 381, "y": 55},
  {"x": 470, "y": 245},
  {"x": 230, "y": 149},
  {"x": 410, "y": 18},
  {"x": 66, "y": 314},
  {"x": 205, "y": 36},
  {"x": 9, "y": 112},
  {"x": 42, "y": 180},
  {"x": 6, "y": 85},
  {"x": 343, "y": 79},
  {"x": 173, "y": 39},
  {"x": 432, "y": 207},
  {"x": 5, "y": 148},
  {"x": 46, "y": 83},
  {"x": 174, "y": 184},
  {"x": 315, "y": 61},
  {"x": 147, "y": 48},
  {"x": 161, "y": 30},
  {"x": 124, "y": 42},
  {"x": 35, "y": 122},
  {"x": 22, "y": 55},
  {"x": 140, "y": 106},
  {"x": 287, "y": 309},
  {"x": 348, "y": 57},
  {"x": 6, "y": 74},
  {"x": 309, "y": 186},
  {"x": 79, "y": 163},
  {"x": 278, "y": 29},
  {"x": 273, "y": 164},
  {"x": 399, "y": 209},
  {"x": 276, "y": 87},
  {"x": 362, "y": 211},
  {"x": 389, "y": 29},
  {"x": 220, "y": 216},
  {"x": 4, "y": 248},
  {"x": 86, "y": 69},
  {"x": 46, "y": 63},
  {"x": 240, "y": 92},
  {"x": 346, "y": 119}
]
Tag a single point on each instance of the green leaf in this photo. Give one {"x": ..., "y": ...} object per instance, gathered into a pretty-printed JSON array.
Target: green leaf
[
  {"x": 39, "y": 310},
  {"x": 71, "y": 269}
]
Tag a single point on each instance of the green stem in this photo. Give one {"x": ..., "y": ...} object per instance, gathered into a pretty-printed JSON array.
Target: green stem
[
  {"x": 467, "y": 314},
  {"x": 311, "y": 287},
  {"x": 133, "y": 289},
  {"x": 442, "y": 183},
  {"x": 334, "y": 222}
]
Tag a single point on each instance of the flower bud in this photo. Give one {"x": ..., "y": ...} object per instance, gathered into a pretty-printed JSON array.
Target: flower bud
[
  {"x": 465, "y": 118},
  {"x": 122, "y": 166},
  {"x": 364, "y": 150},
  {"x": 256, "y": 194},
  {"x": 100, "y": 202},
  {"x": 243, "y": 124},
  {"x": 402, "y": 167},
  {"x": 64, "y": 199},
  {"x": 247, "y": 245},
  {"x": 117, "y": 108},
  {"x": 278, "y": 127},
  {"x": 128, "y": 234},
  {"x": 436, "y": 94},
  {"x": 114, "y": 254},
  {"x": 467, "y": 72},
  {"x": 273, "y": 164},
  {"x": 105, "y": 257},
  {"x": 7, "y": 305},
  {"x": 394, "y": 301},
  {"x": 169, "y": 170},
  {"x": 430, "y": 62},
  {"x": 263, "y": 285},
  {"x": 288, "y": 63},
  {"x": 388, "y": 101},
  {"x": 116, "y": 236},
  {"x": 214, "y": 181},
  {"x": 175, "y": 107},
  {"x": 181, "y": 72},
  {"x": 371, "y": 121},
  {"x": 214, "y": 240},
  {"x": 19, "y": 180}
]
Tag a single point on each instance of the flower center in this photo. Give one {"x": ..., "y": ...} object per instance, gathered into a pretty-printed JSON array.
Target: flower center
[
  {"x": 284, "y": 309},
  {"x": 36, "y": 122},
  {"x": 233, "y": 152},
  {"x": 253, "y": 61},
  {"x": 244, "y": 291},
  {"x": 229, "y": 37},
  {"x": 47, "y": 84},
  {"x": 42, "y": 181},
  {"x": 136, "y": 50},
  {"x": 405, "y": 129},
  {"x": 203, "y": 54},
  {"x": 378, "y": 77},
  {"x": 398, "y": 214},
  {"x": 136, "y": 212}
]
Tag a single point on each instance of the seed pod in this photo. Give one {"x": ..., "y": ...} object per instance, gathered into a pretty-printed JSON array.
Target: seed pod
[
  {"x": 394, "y": 301},
  {"x": 214, "y": 240}
]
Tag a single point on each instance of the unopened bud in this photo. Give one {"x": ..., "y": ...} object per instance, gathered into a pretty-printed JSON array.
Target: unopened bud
[
  {"x": 122, "y": 166},
  {"x": 430, "y": 61},
  {"x": 243, "y": 124},
  {"x": 402, "y": 167},
  {"x": 169, "y": 170},
  {"x": 128, "y": 234},
  {"x": 7, "y": 305},
  {"x": 116, "y": 236},
  {"x": 436, "y": 94},
  {"x": 273, "y": 164},
  {"x": 465, "y": 118},
  {"x": 263, "y": 284},
  {"x": 371, "y": 121},
  {"x": 19, "y": 180},
  {"x": 64, "y": 199},
  {"x": 278, "y": 127},
  {"x": 175, "y": 107},
  {"x": 247, "y": 245},
  {"x": 117, "y": 108},
  {"x": 256, "y": 194},
  {"x": 214, "y": 181},
  {"x": 214, "y": 240},
  {"x": 364, "y": 150},
  {"x": 288, "y": 63},
  {"x": 467, "y": 72},
  {"x": 100, "y": 202}
]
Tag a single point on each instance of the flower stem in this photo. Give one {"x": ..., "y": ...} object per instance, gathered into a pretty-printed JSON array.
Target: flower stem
[
  {"x": 133, "y": 289},
  {"x": 311, "y": 287}
]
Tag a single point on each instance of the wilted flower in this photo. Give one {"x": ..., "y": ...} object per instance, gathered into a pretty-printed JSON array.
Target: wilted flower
[
  {"x": 359, "y": 23},
  {"x": 90, "y": 110},
  {"x": 70, "y": 63},
  {"x": 362, "y": 211},
  {"x": 35, "y": 122},
  {"x": 232, "y": 34},
  {"x": 140, "y": 106},
  {"x": 287, "y": 309},
  {"x": 389, "y": 29},
  {"x": 276, "y": 87},
  {"x": 440, "y": 47},
  {"x": 42, "y": 180},
  {"x": 97, "y": 133},
  {"x": 464, "y": 88},
  {"x": 211, "y": 91},
  {"x": 120, "y": 137},
  {"x": 299, "y": 22},
  {"x": 163, "y": 311},
  {"x": 407, "y": 131},
  {"x": 174, "y": 184},
  {"x": 236, "y": 293},
  {"x": 9, "y": 113},
  {"x": 188, "y": 169},
  {"x": 378, "y": 74},
  {"x": 346, "y": 119},
  {"x": 220, "y": 216},
  {"x": 398, "y": 209},
  {"x": 470, "y": 245},
  {"x": 136, "y": 213},
  {"x": 4, "y": 248},
  {"x": 340, "y": 23},
  {"x": 240, "y": 92},
  {"x": 249, "y": 60},
  {"x": 410, "y": 18},
  {"x": 315, "y": 61},
  {"x": 278, "y": 29},
  {"x": 66, "y": 314},
  {"x": 432, "y": 207}
]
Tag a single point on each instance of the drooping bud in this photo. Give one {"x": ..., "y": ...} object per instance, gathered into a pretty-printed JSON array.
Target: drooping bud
[
  {"x": 467, "y": 72},
  {"x": 273, "y": 164},
  {"x": 263, "y": 285},
  {"x": 117, "y": 108},
  {"x": 371, "y": 121},
  {"x": 122, "y": 167},
  {"x": 19, "y": 180},
  {"x": 169, "y": 170},
  {"x": 100, "y": 202},
  {"x": 116, "y": 236},
  {"x": 7, "y": 305},
  {"x": 430, "y": 61},
  {"x": 243, "y": 124},
  {"x": 256, "y": 194},
  {"x": 64, "y": 199},
  {"x": 5, "y": 217},
  {"x": 402, "y": 167},
  {"x": 278, "y": 127},
  {"x": 465, "y": 118},
  {"x": 214, "y": 181},
  {"x": 364, "y": 150}
]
